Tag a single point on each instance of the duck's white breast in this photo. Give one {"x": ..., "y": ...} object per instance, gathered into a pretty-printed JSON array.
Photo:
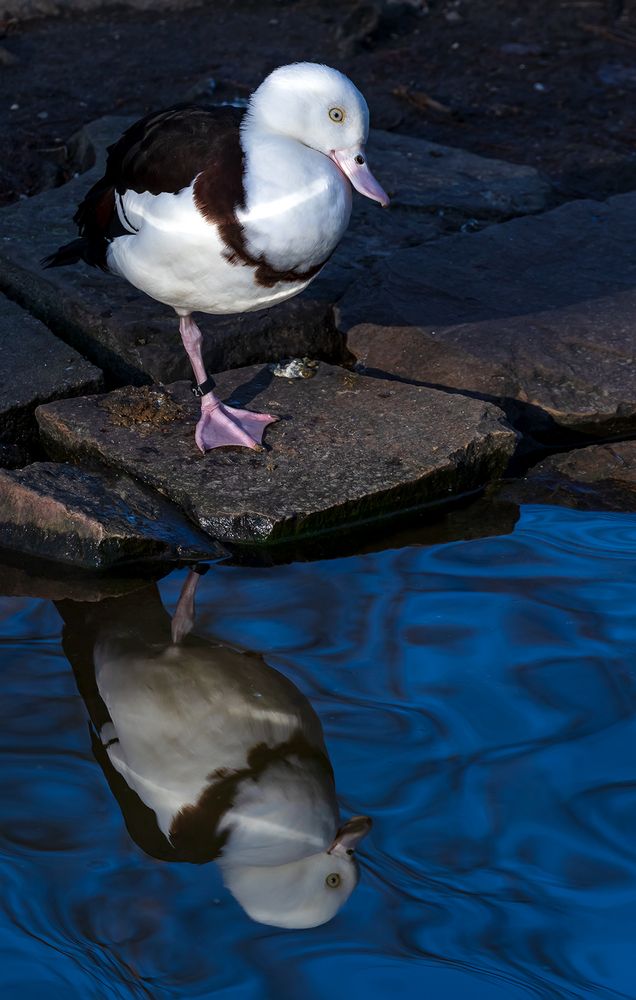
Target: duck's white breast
[
  {"x": 297, "y": 204},
  {"x": 297, "y": 208}
]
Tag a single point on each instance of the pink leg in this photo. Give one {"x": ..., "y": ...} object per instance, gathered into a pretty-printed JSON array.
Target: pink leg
[{"x": 219, "y": 424}]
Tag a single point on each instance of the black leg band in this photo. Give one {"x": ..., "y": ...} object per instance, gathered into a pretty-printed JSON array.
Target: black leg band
[{"x": 204, "y": 387}]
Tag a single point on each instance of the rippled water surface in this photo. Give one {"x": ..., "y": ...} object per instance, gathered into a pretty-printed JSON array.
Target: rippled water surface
[{"x": 477, "y": 700}]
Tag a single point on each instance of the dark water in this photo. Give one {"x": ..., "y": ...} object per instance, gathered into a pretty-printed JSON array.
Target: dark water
[{"x": 477, "y": 700}]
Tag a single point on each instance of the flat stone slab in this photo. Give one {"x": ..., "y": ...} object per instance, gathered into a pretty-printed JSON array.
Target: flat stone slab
[
  {"x": 536, "y": 314},
  {"x": 426, "y": 177},
  {"x": 347, "y": 448},
  {"x": 66, "y": 514},
  {"x": 137, "y": 339},
  {"x": 600, "y": 477},
  {"x": 35, "y": 367}
]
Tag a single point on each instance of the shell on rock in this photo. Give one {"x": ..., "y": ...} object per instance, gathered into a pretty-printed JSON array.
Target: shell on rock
[{"x": 295, "y": 368}]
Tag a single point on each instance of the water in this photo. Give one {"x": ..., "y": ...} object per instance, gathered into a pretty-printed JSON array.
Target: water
[{"x": 477, "y": 700}]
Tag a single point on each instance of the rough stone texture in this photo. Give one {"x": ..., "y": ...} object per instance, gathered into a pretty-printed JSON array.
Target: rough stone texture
[
  {"x": 428, "y": 177},
  {"x": 536, "y": 314},
  {"x": 434, "y": 191},
  {"x": 35, "y": 367},
  {"x": 600, "y": 477},
  {"x": 69, "y": 515},
  {"x": 346, "y": 448},
  {"x": 137, "y": 339}
]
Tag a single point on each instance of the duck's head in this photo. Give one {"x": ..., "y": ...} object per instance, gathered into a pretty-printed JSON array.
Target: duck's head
[
  {"x": 303, "y": 893},
  {"x": 321, "y": 108}
]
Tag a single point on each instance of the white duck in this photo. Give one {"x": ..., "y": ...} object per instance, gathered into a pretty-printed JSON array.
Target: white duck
[
  {"x": 213, "y": 755},
  {"x": 220, "y": 211}
]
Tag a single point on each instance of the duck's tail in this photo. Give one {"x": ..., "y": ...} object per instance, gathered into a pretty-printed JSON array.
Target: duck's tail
[{"x": 70, "y": 253}]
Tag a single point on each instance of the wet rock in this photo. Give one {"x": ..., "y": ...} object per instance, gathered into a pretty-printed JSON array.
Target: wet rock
[
  {"x": 137, "y": 339},
  {"x": 600, "y": 477},
  {"x": 35, "y": 367},
  {"x": 536, "y": 314},
  {"x": 347, "y": 448},
  {"x": 466, "y": 518},
  {"x": 69, "y": 515}
]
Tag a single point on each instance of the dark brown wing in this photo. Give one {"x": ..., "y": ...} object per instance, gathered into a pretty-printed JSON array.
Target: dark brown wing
[
  {"x": 167, "y": 149},
  {"x": 162, "y": 152}
]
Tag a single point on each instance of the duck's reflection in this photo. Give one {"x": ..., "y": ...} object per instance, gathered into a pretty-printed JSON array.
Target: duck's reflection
[{"x": 213, "y": 755}]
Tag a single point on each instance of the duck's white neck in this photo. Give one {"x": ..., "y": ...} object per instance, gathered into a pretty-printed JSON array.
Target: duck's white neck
[
  {"x": 286, "y": 815},
  {"x": 297, "y": 201}
]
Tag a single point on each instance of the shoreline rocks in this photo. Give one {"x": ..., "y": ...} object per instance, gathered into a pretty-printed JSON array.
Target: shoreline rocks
[
  {"x": 35, "y": 367},
  {"x": 66, "y": 514},
  {"x": 599, "y": 477},
  {"x": 536, "y": 315},
  {"x": 346, "y": 449}
]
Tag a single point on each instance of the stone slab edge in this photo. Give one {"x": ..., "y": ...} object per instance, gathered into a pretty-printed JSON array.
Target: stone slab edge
[{"x": 466, "y": 470}]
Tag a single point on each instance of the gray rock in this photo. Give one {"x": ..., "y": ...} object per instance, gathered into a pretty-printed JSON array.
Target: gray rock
[
  {"x": 137, "y": 339},
  {"x": 600, "y": 477},
  {"x": 69, "y": 515},
  {"x": 434, "y": 191},
  {"x": 35, "y": 367},
  {"x": 536, "y": 314},
  {"x": 426, "y": 177},
  {"x": 347, "y": 448}
]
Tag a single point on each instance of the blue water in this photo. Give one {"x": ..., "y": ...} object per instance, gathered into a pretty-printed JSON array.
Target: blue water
[{"x": 477, "y": 699}]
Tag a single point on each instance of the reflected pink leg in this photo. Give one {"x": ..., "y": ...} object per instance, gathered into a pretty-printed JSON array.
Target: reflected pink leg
[
  {"x": 183, "y": 618},
  {"x": 219, "y": 425}
]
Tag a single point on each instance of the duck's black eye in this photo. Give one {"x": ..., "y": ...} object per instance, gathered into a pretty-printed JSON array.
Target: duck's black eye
[
  {"x": 333, "y": 880},
  {"x": 359, "y": 159},
  {"x": 336, "y": 115}
]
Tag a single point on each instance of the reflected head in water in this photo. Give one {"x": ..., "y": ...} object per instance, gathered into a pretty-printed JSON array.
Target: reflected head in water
[{"x": 213, "y": 755}]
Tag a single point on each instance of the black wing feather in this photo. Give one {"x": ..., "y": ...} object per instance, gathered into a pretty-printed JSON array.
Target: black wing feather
[{"x": 162, "y": 152}]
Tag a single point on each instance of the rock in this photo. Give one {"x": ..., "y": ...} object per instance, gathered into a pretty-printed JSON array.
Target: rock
[
  {"x": 600, "y": 477},
  {"x": 136, "y": 339},
  {"x": 35, "y": 367},
  {"x": 347, "y": 448},
  {"x": 69, "y": 515},
  {"x": 536, "y": 314},
  {"x": 426, "y": 177},
  {"x": 434, "y": 191}
]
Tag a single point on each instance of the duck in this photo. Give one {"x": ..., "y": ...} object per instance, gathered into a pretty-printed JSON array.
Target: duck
[
  {"x": 213, "y": 755},
  {"x": 223, "y": 210}
]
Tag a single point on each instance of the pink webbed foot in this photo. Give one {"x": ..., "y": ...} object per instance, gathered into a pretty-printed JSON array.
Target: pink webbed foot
[{"x": 220, "y": 426}]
